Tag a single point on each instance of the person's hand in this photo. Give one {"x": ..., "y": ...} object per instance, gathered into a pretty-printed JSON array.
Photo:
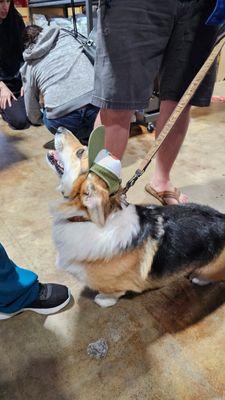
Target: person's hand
[
  {"x": 6, "y": 96},
  {"x": 22, "y": 91}
]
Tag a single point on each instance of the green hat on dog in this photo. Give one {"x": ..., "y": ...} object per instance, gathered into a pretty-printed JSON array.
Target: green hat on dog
[{"x": 102, "y": 162}]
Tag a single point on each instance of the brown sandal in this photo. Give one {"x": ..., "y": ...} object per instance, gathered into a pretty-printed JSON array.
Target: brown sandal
[{"x": 162, "y": 196}]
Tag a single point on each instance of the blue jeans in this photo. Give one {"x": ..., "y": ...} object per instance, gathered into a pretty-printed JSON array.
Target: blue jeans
[
  {"x": 18, "y": 287},
  {"x": 80, "y": 122}
]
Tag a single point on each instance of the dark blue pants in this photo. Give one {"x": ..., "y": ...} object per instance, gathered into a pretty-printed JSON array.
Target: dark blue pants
[
  {"x": 18, "y": 287},
  {"x": 15, "y": 115},
  {"x": 80, "y": 122}
]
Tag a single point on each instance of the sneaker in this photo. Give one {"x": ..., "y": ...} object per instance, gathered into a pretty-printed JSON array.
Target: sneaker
[{"x": 51, "y": 299}]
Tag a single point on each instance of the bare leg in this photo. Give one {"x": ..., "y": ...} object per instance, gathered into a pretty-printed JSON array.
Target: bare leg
[
  {"x": 108, "y": 300},
  {"x": 117, "y": 124},
  {"x": 168, "y": 152}
]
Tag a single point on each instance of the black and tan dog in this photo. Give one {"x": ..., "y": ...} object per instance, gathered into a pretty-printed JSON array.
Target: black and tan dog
[{"x": 114, "y": 247}]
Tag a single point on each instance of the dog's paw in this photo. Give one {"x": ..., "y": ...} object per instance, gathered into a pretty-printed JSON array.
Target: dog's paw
[
  {"x": 105, "y": 301},
  {"x": 200, "y": 282}
]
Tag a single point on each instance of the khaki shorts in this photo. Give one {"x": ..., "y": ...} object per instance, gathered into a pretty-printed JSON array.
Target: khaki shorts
[{"x": 139, "y": 40}]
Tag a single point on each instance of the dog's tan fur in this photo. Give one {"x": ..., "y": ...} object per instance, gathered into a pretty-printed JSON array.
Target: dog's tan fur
[
  {"x": 123, "y": 272},
  {"x": 214, "y": 271}
]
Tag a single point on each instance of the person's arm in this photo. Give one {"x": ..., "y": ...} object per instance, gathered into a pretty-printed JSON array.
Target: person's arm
[
  {"x": 6, "y": 96},
  {"x": 31, "y": 95},
  {"x": 32, "y": 105}
]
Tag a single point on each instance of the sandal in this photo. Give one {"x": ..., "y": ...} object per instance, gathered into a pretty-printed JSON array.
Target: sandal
[{"x": 162, "y": 196}]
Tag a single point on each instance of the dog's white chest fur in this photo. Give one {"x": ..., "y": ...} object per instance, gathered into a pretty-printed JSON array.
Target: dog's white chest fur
[{"x": 78, "y": 242}]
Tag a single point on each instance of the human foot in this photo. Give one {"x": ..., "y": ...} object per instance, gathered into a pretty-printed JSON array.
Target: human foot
[
  {"x": 166, "y": 194},
  {"x": 51, "y": 298}
]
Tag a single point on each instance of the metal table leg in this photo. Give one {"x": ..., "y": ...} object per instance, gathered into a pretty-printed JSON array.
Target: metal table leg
[{"x": 89, "y": 13}]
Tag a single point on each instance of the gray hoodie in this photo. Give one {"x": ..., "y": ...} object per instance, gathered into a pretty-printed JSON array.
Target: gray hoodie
[{"x": 57, "y": 68}]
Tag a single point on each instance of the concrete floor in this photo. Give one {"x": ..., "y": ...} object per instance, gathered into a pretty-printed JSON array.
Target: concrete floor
[{"x": 166, "y": 344}]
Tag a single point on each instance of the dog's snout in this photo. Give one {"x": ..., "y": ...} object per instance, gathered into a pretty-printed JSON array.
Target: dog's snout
[{"x": 60, "y": 138}]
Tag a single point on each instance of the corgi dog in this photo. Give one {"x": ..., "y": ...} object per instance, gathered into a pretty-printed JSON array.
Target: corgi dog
[{"x": 114, "y": 247}]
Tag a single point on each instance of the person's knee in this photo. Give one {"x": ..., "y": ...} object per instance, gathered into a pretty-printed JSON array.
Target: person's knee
[
  {"x": 19, "y": 123},
  {"x": 118, "y": 117}
]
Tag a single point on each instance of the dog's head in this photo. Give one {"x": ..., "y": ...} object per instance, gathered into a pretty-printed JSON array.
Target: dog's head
[
  {"x": 69, "y": 160},
  {"x": 84, "y": 180}
]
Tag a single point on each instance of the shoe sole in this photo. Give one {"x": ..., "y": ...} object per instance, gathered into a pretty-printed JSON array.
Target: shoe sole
[{"x": 43, "y": 311}]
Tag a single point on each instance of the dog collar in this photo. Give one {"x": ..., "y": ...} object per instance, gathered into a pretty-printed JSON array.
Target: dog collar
[{"x": 77, "y": 218}]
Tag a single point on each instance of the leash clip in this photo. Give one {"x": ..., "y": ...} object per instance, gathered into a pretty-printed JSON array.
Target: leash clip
[{"x": 132, "y": 181}]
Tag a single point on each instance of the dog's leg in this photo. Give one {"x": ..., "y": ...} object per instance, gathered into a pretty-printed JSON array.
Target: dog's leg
[
  {"x": 212, "y": 272},
  {"x": 200, "y": 281},
  {"x": 108, "y": 300}
]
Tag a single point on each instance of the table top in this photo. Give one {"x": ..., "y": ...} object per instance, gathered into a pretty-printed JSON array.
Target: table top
[{"x": 55, "y": 3}]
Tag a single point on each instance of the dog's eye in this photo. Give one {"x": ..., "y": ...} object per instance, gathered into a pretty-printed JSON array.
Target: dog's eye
[{"x": 79, "y": 153}]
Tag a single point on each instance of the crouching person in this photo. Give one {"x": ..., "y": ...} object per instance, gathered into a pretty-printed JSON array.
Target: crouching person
[
  {"x": 12, "y": 107},
  {"x": 56, "y": 68}
]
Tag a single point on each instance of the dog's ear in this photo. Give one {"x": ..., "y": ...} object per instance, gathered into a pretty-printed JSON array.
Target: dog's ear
[
  {"x": 95, "y": 207},
  {"x": 95, "y": 198}
]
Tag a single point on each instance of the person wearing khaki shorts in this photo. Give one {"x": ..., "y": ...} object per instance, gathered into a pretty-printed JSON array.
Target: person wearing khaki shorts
[{"x": 137, "y": 41}]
